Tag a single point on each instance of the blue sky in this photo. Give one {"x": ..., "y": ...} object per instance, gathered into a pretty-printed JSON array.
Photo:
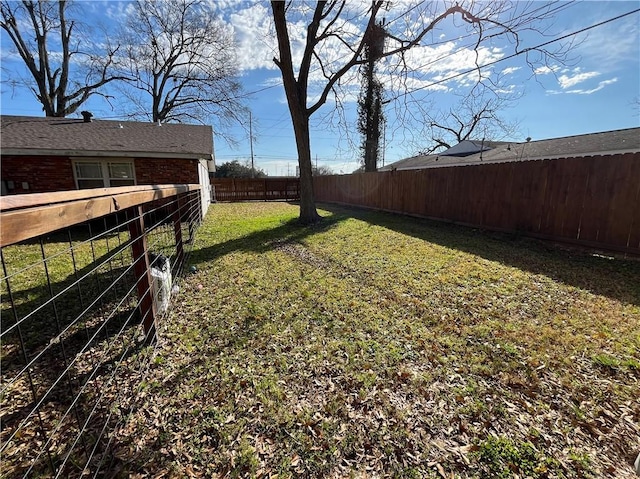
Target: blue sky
[{"x": 597, "y": 89}]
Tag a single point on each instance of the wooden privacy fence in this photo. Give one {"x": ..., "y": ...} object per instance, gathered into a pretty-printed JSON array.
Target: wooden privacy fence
[
  {"x": 590, "y": 201},
  {"x": 247, "y": 189},
  {"x": 86, "y": 274}
]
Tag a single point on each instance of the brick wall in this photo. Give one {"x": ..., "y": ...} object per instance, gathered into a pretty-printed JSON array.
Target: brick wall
[
  {"x": 45, "y": 174},
  {"x": 150, "y": 171},
  {"x": 42, "y": 174}
]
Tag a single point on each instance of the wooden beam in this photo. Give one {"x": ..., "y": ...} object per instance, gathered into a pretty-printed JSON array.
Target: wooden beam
[
  {"x": 12, "y": 202},
  {"x": 22, "y": 224}
]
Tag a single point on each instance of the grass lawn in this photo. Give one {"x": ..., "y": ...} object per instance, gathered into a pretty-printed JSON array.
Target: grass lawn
[{"x": 376, "y": 345}]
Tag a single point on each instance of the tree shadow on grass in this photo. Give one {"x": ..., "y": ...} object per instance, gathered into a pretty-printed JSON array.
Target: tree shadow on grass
[
  {"x": 618, "y": 279},
  {"x": 264, "y": 240}
]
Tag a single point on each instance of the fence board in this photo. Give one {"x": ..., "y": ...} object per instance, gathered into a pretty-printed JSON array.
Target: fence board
[
  {"x": 578, "y": 178},
  {"x": 600, "y": 176},
  {"x": 552, "y": 199},
  {"x": 494, "y": 185},
  {"x": 445, "y": 198},
  {"x": 255, "y": 189},
  {"x": 633, "y": 240},
  {"x": 619, "y": 210},
  {"x": 589, "y": 200},
  {"x": 40, "y": 199},
  {"x": 508, "y": 215}
]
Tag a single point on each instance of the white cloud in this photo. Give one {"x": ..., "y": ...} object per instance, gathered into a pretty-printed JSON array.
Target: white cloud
[
  {"x": 611, "y": 45},
  {"x": 510, "y": 70},
  {"x": 446, "y": 63},
  {"x": 253, "y": 27},
  {"x": 546, "y": 70},
  {"x": 254, "y": 36},
  {"x": 507, "y": 90},
  {"x": 572, "y": 77},
  {"x": 578, "y": 91},
  {"x": 567, "y": 81},
  {"x": 442, "y": 63}
]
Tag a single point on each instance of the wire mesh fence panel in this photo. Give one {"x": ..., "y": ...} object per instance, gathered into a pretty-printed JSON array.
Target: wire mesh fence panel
[{"x": 76, "y": 305}]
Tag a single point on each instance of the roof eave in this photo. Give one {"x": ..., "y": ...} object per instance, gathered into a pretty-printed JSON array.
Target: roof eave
[
  {"x": 486, "y": 161},
  {"x": 103, "y": 154}
]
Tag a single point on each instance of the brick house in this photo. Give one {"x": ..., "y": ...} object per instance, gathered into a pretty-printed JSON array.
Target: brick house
[{"x": 44, "y": 154}]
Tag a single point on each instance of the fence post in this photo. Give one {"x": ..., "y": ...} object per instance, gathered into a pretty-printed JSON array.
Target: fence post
[
  {"x": 142, "y": 272},
  {"x": 177, "y": 231}
]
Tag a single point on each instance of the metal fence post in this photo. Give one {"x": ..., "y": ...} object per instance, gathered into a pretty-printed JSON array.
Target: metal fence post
[{"x": 177, "y": 230}]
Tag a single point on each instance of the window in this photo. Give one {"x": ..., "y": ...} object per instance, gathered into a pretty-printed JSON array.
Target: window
[
  {"x": 89, "y": 175},
  {"x": 103, "y": 174}
]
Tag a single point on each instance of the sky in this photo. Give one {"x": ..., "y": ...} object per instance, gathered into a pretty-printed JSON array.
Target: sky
[{"x": 595, "y": 88}]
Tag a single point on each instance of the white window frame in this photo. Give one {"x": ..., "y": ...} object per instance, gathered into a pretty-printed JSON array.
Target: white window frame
[{"x": 104, "y": 166}]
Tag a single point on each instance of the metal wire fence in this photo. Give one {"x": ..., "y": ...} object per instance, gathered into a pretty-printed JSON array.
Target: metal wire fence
[{"x": 79, "y": 309}]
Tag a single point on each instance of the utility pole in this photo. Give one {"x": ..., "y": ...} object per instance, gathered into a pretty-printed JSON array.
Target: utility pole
[{"x": 253, "y": 170}]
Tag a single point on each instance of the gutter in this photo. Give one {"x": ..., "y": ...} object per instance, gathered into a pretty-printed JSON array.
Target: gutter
[{"x": 102, "y": 154}]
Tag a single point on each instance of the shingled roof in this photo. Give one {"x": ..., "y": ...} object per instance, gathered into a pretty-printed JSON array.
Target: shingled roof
[
  {"x": 603, "y": 143},
  {"x": 20, "y": 135}
]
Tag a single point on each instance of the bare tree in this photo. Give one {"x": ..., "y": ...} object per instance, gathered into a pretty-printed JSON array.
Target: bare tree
[
  {"x": 65, "y": 68},
  {"x": 182, "y": 61},
  {"x": 473, "y": 118},
  {"x": 327, "y": 26},
  {"x": 322, "y": 171}
]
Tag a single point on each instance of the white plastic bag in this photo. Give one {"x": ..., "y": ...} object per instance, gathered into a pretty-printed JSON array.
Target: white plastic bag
[{"x": 161, "y": 281}]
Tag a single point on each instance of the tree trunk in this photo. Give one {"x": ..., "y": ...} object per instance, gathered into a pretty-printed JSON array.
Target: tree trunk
[
  {"x": 296, "y": 92},
  {"x": 308, "y": 213}
]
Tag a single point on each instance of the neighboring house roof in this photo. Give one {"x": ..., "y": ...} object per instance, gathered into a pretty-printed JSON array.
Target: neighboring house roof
[
  {"x": 468, "y": 147},
  {"x": 604, "y": 143},
  {"x": 24, "y": 135}
]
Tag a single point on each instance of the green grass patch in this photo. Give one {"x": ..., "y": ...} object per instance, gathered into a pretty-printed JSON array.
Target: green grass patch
[
  {"x": 502, "y": 458},
  {"x": 380, "y": 345}
]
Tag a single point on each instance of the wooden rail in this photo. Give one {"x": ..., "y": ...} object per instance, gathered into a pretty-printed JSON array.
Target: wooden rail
[{"x": 26, "y": 216}]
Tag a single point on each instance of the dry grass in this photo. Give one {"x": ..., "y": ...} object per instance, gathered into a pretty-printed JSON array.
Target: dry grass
[{"x": 380, "y": 346}]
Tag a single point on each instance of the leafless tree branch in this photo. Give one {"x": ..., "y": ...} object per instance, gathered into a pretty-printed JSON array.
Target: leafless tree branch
[
  {"x": 55, "y": 83},
  {"x": 182, "y": 64}
]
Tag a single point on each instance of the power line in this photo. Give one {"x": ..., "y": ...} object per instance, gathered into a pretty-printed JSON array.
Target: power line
[
  {"x": 467, "y": 45},
  {"x": 259, "y": 90},
  {"x": 562, "y": 6},
  {"x": 513, "y": 55}
]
